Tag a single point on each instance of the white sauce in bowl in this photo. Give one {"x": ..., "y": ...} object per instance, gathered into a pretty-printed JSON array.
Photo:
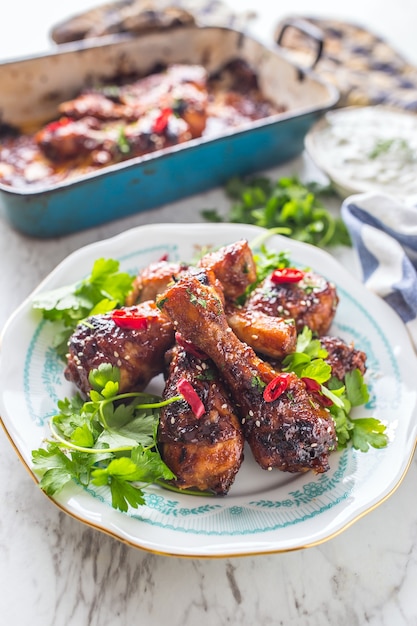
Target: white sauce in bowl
[{"x": 367, "y": 148}]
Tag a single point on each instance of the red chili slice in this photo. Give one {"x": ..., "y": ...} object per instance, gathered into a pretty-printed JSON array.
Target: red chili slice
[
  {"x": 189, "y": 394},
  {"x": 190, "y": 347},
  {"x": 315, "y": 389},
  {"x": 125, "y": 318},
  {"x": 287, "y": 275},
  {"x": 53, "y": 126},
  {"x": 276, "y": 387},
  {"x": 311, "y": 384},
  {"x": 161, "y": 121}
]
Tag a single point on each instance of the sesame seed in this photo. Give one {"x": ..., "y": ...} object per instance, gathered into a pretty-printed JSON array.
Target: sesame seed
[
  {"x": 269, "y": 469},
  {"x": 119, "y": 363},
  {"x": 224, "y": 406},
  {"x": 243, "y": 420},
  {"x": 254, "y": 336},
  {"x": 115, "y": 354},
  {"x": 172, "y": 420},
  {"x": 251, "y": 413},
  {"x": 257, "y": 423}
]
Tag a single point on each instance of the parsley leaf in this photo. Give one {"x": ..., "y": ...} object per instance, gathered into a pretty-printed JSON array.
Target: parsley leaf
[
  {"x": 366, "y": 432},
  {"x": 309, "y": 361},
  {"x": 356, "y": 389},
  {"x": 286, "y": 203},
  {"x": 108, "y": 440},
  {"x": 308, "y": 358},
  {"x": 57, "y": 469},
  {"x": 102, "y": 291}
]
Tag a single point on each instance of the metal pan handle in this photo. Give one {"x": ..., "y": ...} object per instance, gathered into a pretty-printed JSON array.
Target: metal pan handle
[{"x": 307, "y": 29}]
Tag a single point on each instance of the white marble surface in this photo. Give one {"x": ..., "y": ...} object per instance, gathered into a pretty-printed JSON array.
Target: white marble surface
[{"x": 55, "y": 571}]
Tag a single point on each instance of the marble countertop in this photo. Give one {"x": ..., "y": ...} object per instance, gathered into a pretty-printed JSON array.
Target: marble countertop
[{"x": 56, "y": 571}]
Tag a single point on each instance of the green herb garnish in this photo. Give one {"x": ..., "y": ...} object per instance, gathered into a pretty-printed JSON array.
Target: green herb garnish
[
  {"x": 398, "y": 146},
  {"x": 286, "y": 203},
  {"x": 110, "y": 440},
  {"x": 103, "y": 290},
  {"x": 309, "y": 361}
]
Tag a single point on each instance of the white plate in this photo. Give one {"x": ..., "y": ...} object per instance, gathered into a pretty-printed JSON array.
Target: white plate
[
  {"x": 264, "y": 511},
  {"x": 370, "y": 148}
]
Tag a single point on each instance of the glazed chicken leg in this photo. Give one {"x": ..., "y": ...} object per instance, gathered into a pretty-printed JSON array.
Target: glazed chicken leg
[
  {"x": 292, "y": 432},
  {"x": 203, "y": 451},
  {"x": 138, "y": 351}
]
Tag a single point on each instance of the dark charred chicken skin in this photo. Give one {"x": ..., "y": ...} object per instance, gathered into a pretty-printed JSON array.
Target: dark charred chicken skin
[
  {"x": 343, "y": 357},
  {"x": 138, "y": 352},
  {"x": 312, "y": 301},
  {"x": 292, "y": 432},
  {"x": 203, "y": 452}
]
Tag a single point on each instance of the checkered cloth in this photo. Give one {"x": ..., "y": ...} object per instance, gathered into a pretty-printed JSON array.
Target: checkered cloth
[{"x": 384, "y": 234}]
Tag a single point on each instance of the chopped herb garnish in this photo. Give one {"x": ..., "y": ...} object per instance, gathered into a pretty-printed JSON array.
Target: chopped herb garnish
[
  {"x": 108, "y": 440},
  {"x": 102, "y": 291},
  {"x": 308, "y": 361},
  {"x": 286, "y": 203}
]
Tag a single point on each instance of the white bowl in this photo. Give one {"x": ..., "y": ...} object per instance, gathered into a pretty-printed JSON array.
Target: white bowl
[{"x": 367, "y": 149}]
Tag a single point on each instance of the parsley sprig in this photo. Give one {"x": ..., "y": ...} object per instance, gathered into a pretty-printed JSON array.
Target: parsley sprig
[
  {"x": 286, "y": 203},
  {"x": 309, "y": 361},
  {"x": 104, "y": 289},
  {"x": 109, "y": 440}
]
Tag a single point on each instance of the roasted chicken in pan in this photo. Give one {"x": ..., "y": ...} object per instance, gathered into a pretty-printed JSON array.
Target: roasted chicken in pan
[
  {"x": 290, "y": 430},
  {"x": 203, "y": 449},
  {"x": 134, "y": 339},
  {"x": 108, "y": 123}
]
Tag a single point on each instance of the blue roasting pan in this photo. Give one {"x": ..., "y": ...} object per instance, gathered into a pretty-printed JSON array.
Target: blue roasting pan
[{"x": 33, "y": 87}]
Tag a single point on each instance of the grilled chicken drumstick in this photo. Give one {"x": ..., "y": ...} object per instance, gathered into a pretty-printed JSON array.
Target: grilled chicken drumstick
[
  {"x": 204, "y": 451},
  {"x": 311, "y": 301},
  {"x": 134, "y": 339},
  {"x": 290, "y": 431}
]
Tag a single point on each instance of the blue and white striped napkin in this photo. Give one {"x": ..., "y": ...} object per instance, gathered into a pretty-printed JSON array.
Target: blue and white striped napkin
[{"x": 384, "y": 234}]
